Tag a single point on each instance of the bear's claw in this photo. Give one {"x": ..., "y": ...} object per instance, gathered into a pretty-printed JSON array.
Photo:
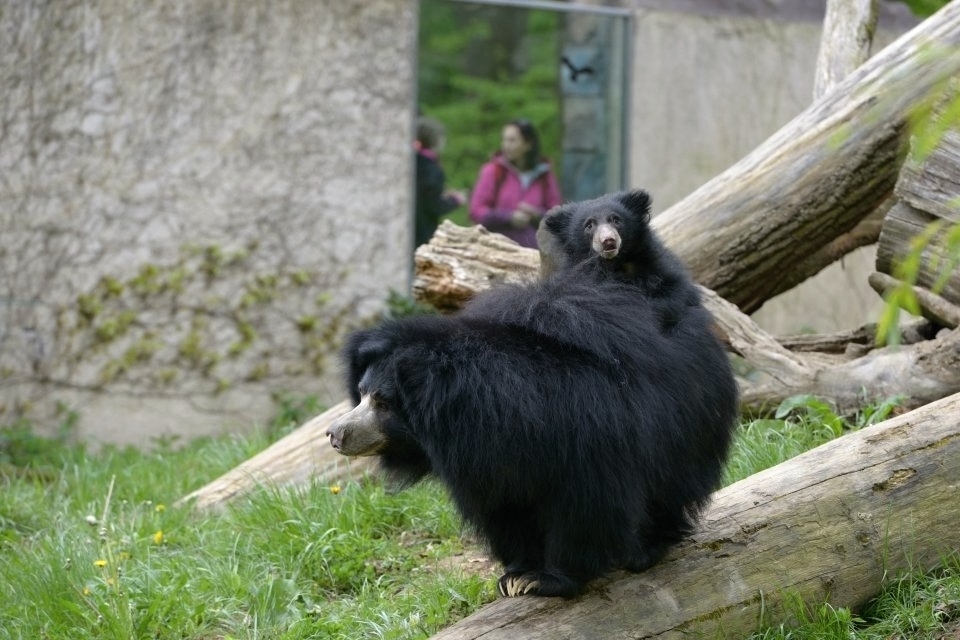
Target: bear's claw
[{"x": 511, "y": 585}]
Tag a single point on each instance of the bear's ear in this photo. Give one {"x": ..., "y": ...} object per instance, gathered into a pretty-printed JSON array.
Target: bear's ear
[
  {"x": 362, "y": 349},
  {"x": 638, "y": 202},
  {"x": 373, "y": 347},
  {"x": 557, "y": 220}
]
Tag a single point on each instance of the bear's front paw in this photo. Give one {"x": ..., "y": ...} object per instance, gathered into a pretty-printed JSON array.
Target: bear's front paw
[
  {"x": 537, "y": 583},
  {"x": 511, "y": 585}
]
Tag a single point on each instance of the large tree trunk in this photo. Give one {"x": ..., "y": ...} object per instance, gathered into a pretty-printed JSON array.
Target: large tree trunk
[
  {"x": 747, "y": 233},
  {"x": 828, "y": 525},
  {"x": 848, "y": 28}
]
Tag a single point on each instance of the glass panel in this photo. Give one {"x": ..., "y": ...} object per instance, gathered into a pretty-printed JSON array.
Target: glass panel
[{"x": 561, "y": 66}]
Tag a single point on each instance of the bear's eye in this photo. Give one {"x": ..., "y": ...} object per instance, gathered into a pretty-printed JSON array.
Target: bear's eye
[
  {"x": 614, "y": 219},
  {"x": 378, "y": 402},
  {"x": 589, "y": 224}
]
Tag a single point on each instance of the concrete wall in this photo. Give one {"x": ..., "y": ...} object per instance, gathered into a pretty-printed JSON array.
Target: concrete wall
[
  {"x": 197, "y": 197},
  {"x": 713, "y": 82}
]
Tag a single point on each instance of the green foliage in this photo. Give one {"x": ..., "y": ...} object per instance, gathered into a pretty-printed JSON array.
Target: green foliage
[
  {"x": 934, "y": 116},
  {"x": 21, "y": 447},
  {"x": 925, "y": 8},
  {"x": 913, "y": 605},
  {"x": 800, "y": 423},
  {"x": 401, "y": 306},
  {"x": 916, "y": 605},
  {"x": 292, "y": 411},
  {"x": 98, "y": 549},
  {"x": 820, "y": 622},
  {"x": 813, "y": 409}
]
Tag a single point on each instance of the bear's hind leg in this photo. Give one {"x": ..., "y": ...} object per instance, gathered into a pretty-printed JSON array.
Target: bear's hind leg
[
  {"x": 654, "y": 540},
  {"x": 646, "y": 555},
  {"x": 517, "y": 539}
]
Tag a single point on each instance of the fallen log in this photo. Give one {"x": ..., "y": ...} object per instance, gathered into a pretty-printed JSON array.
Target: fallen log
[
  {"x": 856, "y": 342},
  {"x": 748, "y": 232},
  {"x": 303, "y": 456},
  {"x": 827, "y": 526}
]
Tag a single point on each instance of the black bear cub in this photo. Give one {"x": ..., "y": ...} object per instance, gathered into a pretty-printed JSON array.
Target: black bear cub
[
  {"x": 611, "y": 235},
  {"x": 572, "y": 433}
]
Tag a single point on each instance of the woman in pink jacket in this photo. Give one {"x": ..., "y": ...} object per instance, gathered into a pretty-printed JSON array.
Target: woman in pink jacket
[{"x": 516, "y": 187}]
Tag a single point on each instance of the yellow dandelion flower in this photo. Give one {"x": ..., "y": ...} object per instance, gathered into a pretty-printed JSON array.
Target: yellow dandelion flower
[
  {"x": 86, "y": 591},
  {"x": 335, "y": 489},
  {"x": 160, "y": 508},
  {"x": 100, "y": 563},
  {"x": 158, "y": 537}
]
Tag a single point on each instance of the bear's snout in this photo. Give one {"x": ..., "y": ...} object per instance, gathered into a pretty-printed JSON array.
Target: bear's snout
[
  {"x": 606, "y": 241},
  {"x": 357, "y": 432}
]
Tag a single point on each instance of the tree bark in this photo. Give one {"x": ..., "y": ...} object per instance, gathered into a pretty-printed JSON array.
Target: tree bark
[
  {"x": 745, "y": 233},
  {"x": 829, "y": 525},
  {"x": 848, "y": 28}
]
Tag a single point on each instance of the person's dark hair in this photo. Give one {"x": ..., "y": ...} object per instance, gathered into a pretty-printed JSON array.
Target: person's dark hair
[
  {"x": 529, "y": 134},
  {"x": 430, "y": 132}
]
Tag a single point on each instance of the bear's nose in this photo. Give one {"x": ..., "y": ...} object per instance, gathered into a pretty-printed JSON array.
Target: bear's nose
[
  {"x": 336, "y": 438},
  {"x": 609, "y": 243}
]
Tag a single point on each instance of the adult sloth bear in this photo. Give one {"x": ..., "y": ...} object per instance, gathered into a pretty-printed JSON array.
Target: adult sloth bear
[{"x": 572, "y": 433}]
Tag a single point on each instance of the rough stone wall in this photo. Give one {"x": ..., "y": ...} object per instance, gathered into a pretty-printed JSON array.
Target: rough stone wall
[{"x": 197, "y": 197}]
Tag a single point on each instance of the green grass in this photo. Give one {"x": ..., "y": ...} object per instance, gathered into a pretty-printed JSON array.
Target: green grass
[
  {"x": 914, "y": 606},
  {"x": 92, "y": 546}
]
